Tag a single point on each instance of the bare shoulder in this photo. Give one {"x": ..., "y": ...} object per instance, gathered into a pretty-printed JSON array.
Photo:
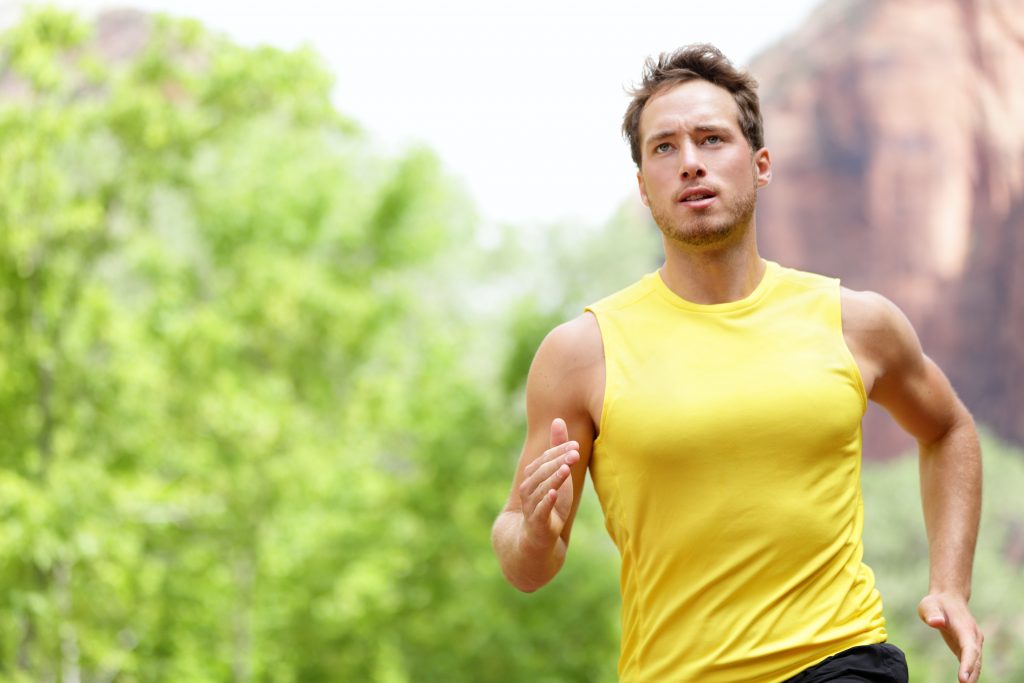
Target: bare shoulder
[
  {"x": 867, "y": 311},
  {"x": 881, "y": 338},
  {"x": 899, "y": 376},
  {"x": 574, "y": 343},
  {"x": 569, "y": 365},
  {"x": 873, "y": 322}
]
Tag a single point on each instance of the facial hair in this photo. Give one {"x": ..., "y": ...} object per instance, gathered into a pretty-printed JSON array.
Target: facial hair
[{"x": 707, "y": 231}]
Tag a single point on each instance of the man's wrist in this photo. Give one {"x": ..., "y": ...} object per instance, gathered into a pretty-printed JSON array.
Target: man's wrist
[{"x": 956, "y": 593}]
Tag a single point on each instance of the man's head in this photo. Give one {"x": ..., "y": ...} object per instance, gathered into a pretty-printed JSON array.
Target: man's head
[
  {"x": 695, "y": 129},
  {"x": 694, "y": 62}
]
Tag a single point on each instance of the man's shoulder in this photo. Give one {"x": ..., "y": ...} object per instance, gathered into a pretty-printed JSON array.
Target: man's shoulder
[
  {"x": 574, "y": 343},
  {"x": 877, "y": 329},
  {"x": 568, "y": 364},
  {"x": 868, "y": 312},
  {"x": 577, "y": 343}
]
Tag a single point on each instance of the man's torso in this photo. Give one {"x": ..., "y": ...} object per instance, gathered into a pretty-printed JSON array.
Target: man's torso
[{"x": 727, "y": 462}]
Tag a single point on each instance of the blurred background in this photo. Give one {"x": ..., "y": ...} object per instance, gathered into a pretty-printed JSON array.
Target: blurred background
[{"x": 272, "y": 278}]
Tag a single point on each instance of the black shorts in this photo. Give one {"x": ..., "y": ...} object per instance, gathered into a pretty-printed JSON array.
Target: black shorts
[{"x": 881, "y": 663}]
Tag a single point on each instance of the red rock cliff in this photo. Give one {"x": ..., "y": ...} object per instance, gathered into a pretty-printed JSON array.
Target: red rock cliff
[{"x": 897, "y": 134}]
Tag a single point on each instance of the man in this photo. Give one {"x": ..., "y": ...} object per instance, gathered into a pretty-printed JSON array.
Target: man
[{"x": 717, "y": 403}]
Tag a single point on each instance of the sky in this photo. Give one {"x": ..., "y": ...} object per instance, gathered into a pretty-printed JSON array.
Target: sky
[{"x": 522, "y": 101}]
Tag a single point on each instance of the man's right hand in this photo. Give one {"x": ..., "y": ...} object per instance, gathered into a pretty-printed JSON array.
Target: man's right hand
[{"x": 546, "y": 493}]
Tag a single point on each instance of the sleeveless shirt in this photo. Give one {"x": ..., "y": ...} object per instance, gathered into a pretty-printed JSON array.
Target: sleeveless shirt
[{"x": 727, "y": 464}]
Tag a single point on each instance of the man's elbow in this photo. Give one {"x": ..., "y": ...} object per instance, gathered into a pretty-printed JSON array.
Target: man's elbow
[
  {"x": 523, "y": 585},
  {"x": 958, "y": 426},
  {"x": 519, "y": 579},
  {"x": 523, "y": 572}
]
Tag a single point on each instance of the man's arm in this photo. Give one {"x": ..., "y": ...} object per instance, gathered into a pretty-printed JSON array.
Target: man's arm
[
  {"x": 904, "y": 381},
  {"x": 531, "y": 534}
]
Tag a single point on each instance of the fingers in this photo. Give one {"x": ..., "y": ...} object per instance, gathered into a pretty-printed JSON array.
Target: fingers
[
  {"x": 547, "y": 472},
  {"x": 544, "y": 507},
  {"x": 559, "y": 444},
  {"x": 970, "y": 638},
  {"x": 559, "y": 432},
  {"x": 546, "y": 491},
  {"x": 954, "y": 621},
  {"x": 550, "y": 455},
  {"x": 970, "y": 664}
]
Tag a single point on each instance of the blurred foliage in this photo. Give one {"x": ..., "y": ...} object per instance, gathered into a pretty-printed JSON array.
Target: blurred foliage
[
  {"x": 244, "y": 437},
  {"x": 896, "y": 549},
  {"x": 261, "y": 391}
]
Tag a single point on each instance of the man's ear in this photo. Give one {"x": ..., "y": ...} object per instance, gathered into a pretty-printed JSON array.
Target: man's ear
[
  {"x": 643, "y": 189},
  {"x": 763, "y": 166}
]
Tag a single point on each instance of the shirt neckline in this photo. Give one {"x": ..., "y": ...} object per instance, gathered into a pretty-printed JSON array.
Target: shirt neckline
[{"x": 767, "y": 280}]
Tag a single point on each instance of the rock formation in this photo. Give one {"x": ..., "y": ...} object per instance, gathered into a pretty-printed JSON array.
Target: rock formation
[{"x": 897, "y": 134}]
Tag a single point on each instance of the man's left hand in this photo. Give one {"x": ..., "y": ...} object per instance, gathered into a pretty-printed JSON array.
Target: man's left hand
[{"x": 953, "y": 619}]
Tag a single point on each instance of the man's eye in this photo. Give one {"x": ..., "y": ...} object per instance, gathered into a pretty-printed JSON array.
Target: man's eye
[
  {"x": 663, "y": 147},
  {"x": 712, "y": 140}
]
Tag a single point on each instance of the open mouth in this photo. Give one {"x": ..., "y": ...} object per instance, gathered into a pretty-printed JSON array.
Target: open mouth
[{"x": 695, "y": 195}]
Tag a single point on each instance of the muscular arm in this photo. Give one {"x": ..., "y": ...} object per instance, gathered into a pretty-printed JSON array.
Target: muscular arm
[
  {"x": 531, "y": 534},
  {"x": 904, "y": 381}
]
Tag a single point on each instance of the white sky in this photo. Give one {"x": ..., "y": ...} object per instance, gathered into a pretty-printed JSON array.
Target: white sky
[{"x": 521, "y": 100}]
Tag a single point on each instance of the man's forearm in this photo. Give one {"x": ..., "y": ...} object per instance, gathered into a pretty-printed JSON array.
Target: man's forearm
[
  {"x": 526, "y": 567},
  {"x": 951, "y": 498}
]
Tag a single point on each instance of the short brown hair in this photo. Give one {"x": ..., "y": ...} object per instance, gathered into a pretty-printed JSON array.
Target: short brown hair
[{"x": 692, "y": 62}]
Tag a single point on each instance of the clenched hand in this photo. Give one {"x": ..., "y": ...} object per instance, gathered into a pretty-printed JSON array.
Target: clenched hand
[{"x": 547, "y": 490}]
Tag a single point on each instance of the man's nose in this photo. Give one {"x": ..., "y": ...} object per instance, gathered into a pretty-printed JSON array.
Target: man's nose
[{"x": 690, "y": 163}]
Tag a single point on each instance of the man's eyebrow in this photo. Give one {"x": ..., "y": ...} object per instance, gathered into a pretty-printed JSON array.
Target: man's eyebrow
[
  {"x": 702, "y": 128},
  {"x": 660, "y": 135},
  {"x": 712, "y": 128}
]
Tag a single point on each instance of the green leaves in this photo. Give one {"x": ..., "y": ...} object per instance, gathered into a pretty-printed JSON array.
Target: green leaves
[
  {"x": 32, "y": 48},
  {"x": 188, "y": 241},
  {"x": 241, "y": 438}
]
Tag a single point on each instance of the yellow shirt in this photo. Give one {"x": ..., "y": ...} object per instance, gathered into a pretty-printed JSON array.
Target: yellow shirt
[{"x": 728, "y": 466}]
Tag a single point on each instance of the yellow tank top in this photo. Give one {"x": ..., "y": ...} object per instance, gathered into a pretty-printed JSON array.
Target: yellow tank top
[{"x": 728, "y": 466}]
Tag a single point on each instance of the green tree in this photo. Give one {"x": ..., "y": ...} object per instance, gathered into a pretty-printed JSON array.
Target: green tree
[{"x": 249, "y": 431}]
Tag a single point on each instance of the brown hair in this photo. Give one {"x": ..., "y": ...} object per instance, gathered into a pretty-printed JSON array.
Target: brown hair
[{"x": 690, "y": 62}]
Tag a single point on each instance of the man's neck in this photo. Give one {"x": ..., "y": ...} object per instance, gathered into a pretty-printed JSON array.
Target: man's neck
[{"x": 713, "y": 276}]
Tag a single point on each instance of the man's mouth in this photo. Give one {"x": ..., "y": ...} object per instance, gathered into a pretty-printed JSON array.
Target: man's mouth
[{"x": 695, "y": 194}]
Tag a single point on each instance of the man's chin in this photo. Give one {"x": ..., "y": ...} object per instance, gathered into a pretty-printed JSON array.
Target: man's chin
[{"x": 704, "y": 236}]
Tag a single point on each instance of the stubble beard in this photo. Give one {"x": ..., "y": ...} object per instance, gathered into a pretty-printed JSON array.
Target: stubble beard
[{"x": 706, "y": 231}]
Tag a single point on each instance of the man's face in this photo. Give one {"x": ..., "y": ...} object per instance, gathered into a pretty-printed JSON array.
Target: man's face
[{"x": 697, "y": 172}]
